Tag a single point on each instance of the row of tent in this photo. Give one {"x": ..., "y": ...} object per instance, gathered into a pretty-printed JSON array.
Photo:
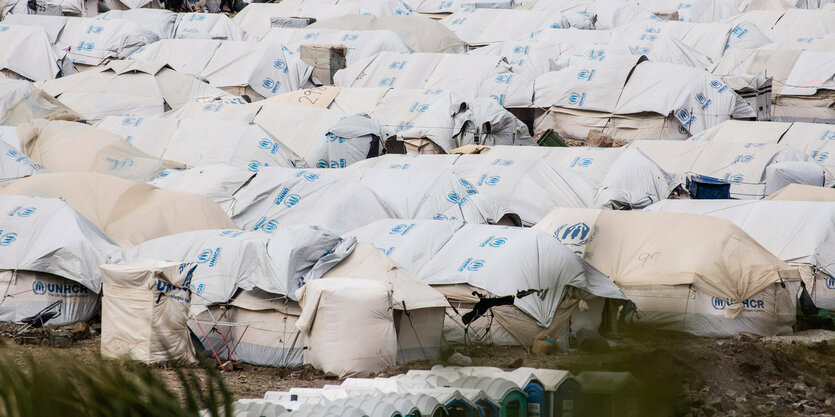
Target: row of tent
[{"x": 456, "y": 391}]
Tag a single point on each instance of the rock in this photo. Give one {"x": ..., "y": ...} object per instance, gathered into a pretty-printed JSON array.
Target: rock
[
  {"x": 799, "y": 387},
  {"x": 818, "y": 395},
  {"x": 516, "y": 364},
  {"x": 597, "y": 139},
  {"x": 459, "y": 360},
  {"x": 726, "y": 404}
]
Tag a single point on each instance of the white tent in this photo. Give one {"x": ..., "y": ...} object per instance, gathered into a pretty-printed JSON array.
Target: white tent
[
  {"x": 158, "y": 21},
  {"x": 795, "y": 231},
  {"x": 62, "y": 146},
  {"x": 256, "y": 69},
  {"x": 129, "y": 212},
  {"x": 207, "y": 26},
  {"x": 359, "y": 43},
  {"x": 741, "y": 164},
  {"x": 279, "y": 262},
  {"x": 289, "y": 196},
  {"x": 188, "y": 56},
  {"x": 203, "y": 142},
  {"x": 91, "y": 41},
  {"x": 439, "y": 195},
  {"x": 814, "y": 140},
  {"x": 27, "y": 53},
  {"x": 257, "y": 18},
  {"x": 684, "y": 272},
  {"x": 418, "y": 309},
  {"x": 419, "y": 33},
  {"x": 215, "y": 182},
  {"x": 330, "y": 317},
  {"x": 482, "y": 26},
  {"x": 145, "y": 311},
  {"x": 12, "y": 91},
  {"x": 14, "y": 164},
  {"x": 592, "y": 92},
  {"x": 468, "y": 76},
  {"x": 423, "y": 121},
  {"x": 457, "y": 259},
  {"x": 49, "y": 253},
  {"x": 128, "y": 88}
]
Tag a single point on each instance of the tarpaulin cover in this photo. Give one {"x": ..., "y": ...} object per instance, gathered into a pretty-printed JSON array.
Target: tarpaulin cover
[
  {"x": 129, "y": 212},
  {"x": 640, "y": 249},
  {"x": 47, "y": 235}
]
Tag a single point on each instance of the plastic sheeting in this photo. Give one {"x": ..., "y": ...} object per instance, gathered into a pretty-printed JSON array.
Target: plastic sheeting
[
  {"x": 290, "y": 196},
  {"x": 480, "y": 26},
  {"x": 129, "y": 212},
  {"x": 638, "y": 249},
  {"x": 28, "y": 293},
  {"x": 46, "y": 235},
  {"x": 782, "y": 174},
  {"x": 417, "y": 32},
  {"x": 360, "y": 44},
  {"x": 207, "y": 26},
  {"x": 159, "y": 21},
  {"x": 794, "y": 231},
  {"x": 741, "y": 164},
  {"x": 145, "y": 311},
  {"x": 204, "y": 142},
  {"x": 62, "y": 146},
  {"x": 129, "y": 88},
  {"x": 468, "y": 76},
  {"x": 14, "y": 164},
  {"x": 451, "y": 253},
  {"x": 27, "y": 52},
  {"x": 215, "y": 182},
  {"x": 279, "y": 262}
]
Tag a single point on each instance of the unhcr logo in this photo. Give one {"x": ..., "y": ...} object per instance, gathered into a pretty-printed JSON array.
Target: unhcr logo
[
  {"x": 401, "y": 229},
  {"x": 585, "y": 74},
  {"x": 310, "y": 176},
  {"x": 581, "y": 162},
  {"x": 268, "y": 145},
  {"x": 58, "y": 290},
  {"x": 743, "y": 159},
  {"x": 254, "y": 165},
  {"x": 828, "y": 135},
  {"x": 576, "y": 234},
  {"x": 7, "y": 239},
  {"x": 21, "y": 211},
  {"x": 749, "y": 305},
  {"x": 577, "y": 99},
  {"x": 455, "y": 198},
  {"x": 271, "y": 84},
  {"x": 830, "y": 283},
  {"x": 471, "y": 265},
  {"x": 209, "y": 256},
  {"x": 490, "y": 180},
  {"x": 820, "y": 156},
  {"x": 718, "y": 86},
  {"x": 280, "y": 65},
  {"x": 288, "y": 199},
  {"x": 266, "y": 225},
  {"x": 493, "y": 242}
]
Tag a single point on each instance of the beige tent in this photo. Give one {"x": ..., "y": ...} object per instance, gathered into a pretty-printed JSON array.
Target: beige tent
[
  {"x": 145, "y": 311},
  {"x": 349, "y": 325},
  {"x": 129, "y": 212},
  {"x": 418, "y": 308},
  {"x": 800, "y": 192},
  {"x": 688, "y": 272},
  {"x": 69, "y": 146}
]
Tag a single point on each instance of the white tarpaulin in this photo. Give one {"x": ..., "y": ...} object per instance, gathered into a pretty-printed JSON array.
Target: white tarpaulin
[
  {"x": 421, "y": 34},
  {"x": 279, "y": 262},
  {"x": 145, "y": 311},
  {"x": 360, "y": 43},
  {"x": 158, "y": 21},
  {"x": 478, "y": 26},
  {"x": 207, "y": 26},
  {"x": 27, "y": 52},
  {"x": 47, "y": 235},
  {"x": 290, "y": 196},
  {"x": 127, "y": 88},
  {"x": 447, "y": 252},
  {"x": 203, "y": 142},
  {"x": 438, "y": 195},
  {"x": 741, "y": 164},
  {"x": 129, "y": 212},
  {"x": 12, "y": 91},
  {"x": 215, "y": 182},
  {"x": 62, "y": 146},
  {"x": 188, "y": 56},
  {"x": 91, "y": 41},
  {"x": 468, "y": 76},
  {"x": 13, "y": 163},
  {"x": 265, "y": 68},
  {"x": 794, "y": 231}
]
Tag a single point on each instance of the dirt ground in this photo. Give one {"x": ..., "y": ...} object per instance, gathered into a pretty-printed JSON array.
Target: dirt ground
[{"x": 679, "y": 375}]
